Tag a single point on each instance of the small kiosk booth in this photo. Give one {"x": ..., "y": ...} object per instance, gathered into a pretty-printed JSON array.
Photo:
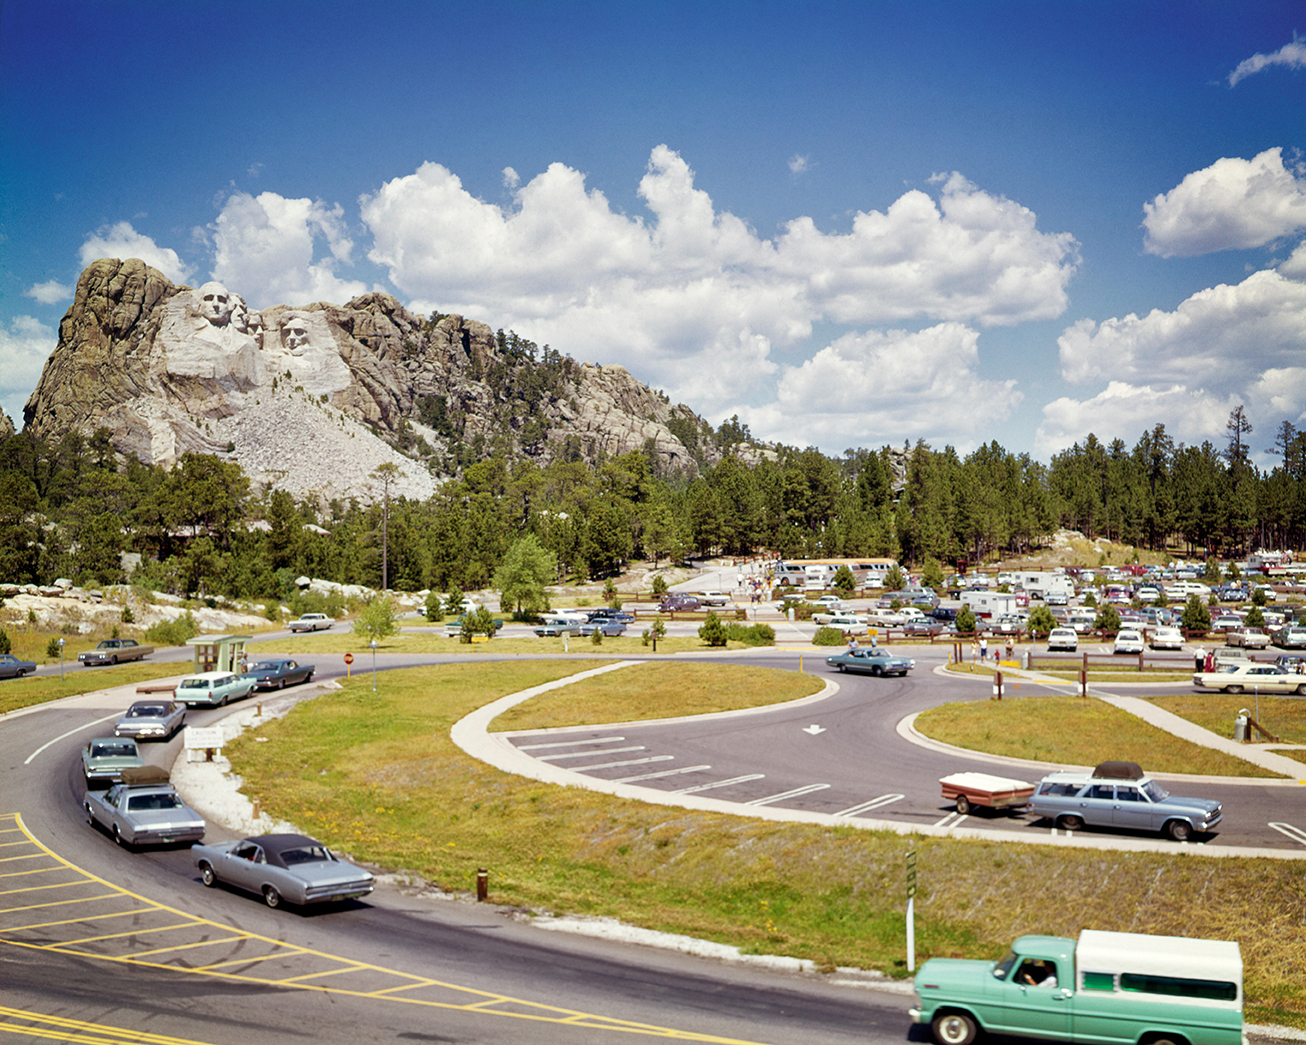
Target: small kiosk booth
[{"x": 219, "y": 652}]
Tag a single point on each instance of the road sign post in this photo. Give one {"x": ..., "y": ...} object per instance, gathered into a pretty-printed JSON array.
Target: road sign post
[
  {"x": 911, "y": 911},
  {"x": 349, "y": 659}
]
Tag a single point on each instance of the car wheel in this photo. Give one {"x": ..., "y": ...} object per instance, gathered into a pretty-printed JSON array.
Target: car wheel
[
  {"x": 113, "y": 660},
  {"x": 1301, "y": 690},
  {"x": 89, "y": 818},
  {"x": 271, "y": 897},
  {"x": 1070, "y": 822},
  {"x": 308, "y": 677},
  {"x": 207, "y": 875},
  {"x": 1179, "y": 830},
  {"x": 281, "y": 684},
  {"x": 876, "y": 670},
  {"x": 963, "y": 805},
  {"x": 1233, "y": 689},
  {"x": 117, "y": 837},
  {"x": 954, "y": 1028}
]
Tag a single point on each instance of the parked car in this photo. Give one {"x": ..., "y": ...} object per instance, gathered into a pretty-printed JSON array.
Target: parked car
[
  {"x": 871, "y": 661},
  {"x": 714, "y": 598},
  {"x": 1227, "y": 622},
  {"x": 1290, "y": 636},
  {"x": 280, "y": 867},
  {"x": 832, "y": 602},
  {"x": 555, "y": 626},
  {"x": 278, "y": 674},
  {"x": 1251, "y": 677},
  {"x": 924, "y": 626},
  {"x": 1007, "y": 624},
  {"x": 672, "y": 603},
  {"x": 1120, "y": 795},
  {"x": 1063, "y": 639},
  {"x": 1128, "y": 640},
  {"x": 453, "y": 629},
  {"x": 1166, "y": 638},
  {"x": 1291, "y": 662},
  {"x": 151, "y": 720},
  {"x": 848, "y": 623},
  {"x": 104, "y": 759},
  {"x": 213, "y": 688},
  {"x": 1249, "y": 638},
  {"x": 13, "y": 668},
  {"x": 609, "y": 629},
  {"x": 1081, "y": 622},
  {"x": 143, "y": 814},
  {"x": 603, "y": 613}
]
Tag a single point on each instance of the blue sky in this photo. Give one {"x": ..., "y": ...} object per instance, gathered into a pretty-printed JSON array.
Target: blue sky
[{"x": 850, "y": 224}]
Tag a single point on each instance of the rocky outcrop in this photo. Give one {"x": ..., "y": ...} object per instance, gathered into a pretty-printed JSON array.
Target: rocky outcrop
[{"x": 312, "y": 399}]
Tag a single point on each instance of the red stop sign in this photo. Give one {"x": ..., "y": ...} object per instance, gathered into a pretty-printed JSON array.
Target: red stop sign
[{"x": 349, "y": 658}]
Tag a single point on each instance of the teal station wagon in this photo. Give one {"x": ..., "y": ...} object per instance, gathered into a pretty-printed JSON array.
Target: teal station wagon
[
  {"x": 1110, "y": 987},
  {"x": 214, "y": 688}
]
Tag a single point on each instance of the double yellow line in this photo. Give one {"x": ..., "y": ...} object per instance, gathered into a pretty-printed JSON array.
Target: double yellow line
[{"x": 36, "y": 882}]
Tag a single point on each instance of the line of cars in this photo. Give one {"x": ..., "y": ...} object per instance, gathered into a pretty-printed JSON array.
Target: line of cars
[{"x": 137, "y": 805}]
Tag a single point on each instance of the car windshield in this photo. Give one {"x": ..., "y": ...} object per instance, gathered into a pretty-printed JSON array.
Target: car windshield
[
  {"x": 1003, "y": 967},
  {"x": 141, "y": 803},
  {"x": 147, "y": 711},
  {"x": 306, "y": 854},
  {"x": 1155, "y": 791}
]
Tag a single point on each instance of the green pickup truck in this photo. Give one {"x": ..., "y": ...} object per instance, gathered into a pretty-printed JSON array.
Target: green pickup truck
[{"x": 1108, "y": 987}]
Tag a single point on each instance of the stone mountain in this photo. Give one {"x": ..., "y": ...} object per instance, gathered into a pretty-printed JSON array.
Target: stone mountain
[{"x": 313, "y": 399}]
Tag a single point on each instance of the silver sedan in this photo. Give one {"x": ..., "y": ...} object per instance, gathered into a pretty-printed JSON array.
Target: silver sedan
[
  {"x": 151, "y": 720},
  {"x": 282, "y": 867}
]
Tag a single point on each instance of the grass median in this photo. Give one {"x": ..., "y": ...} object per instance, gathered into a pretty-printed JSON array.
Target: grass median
[
  {"x": 376, "y": 775},
  {"x": 47, "y": 686},
  {"x": 1075, "y": 731}
]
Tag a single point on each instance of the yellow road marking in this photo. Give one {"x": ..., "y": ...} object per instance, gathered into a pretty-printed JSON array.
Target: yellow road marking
[
  {"x": 59, "y": 1028},
  {"x": 471, "y": 999}
]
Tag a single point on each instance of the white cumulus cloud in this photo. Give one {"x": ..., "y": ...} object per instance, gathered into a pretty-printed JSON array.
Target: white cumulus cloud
[
  {"x": 1292, "y": 55},
  {"x": 51, "y": 292},
  {"x": 799, "y": 164},
  {"x": 1232, "y": 204},
  {"x": 265, "y": 249},
  {"x": 875, "y": 388},
  {"x": 1224, "y": 346},
  {"x": 24, "y": 348},
  {"x": 681, "y": 291},
  {"x": 123, "y": 241}
]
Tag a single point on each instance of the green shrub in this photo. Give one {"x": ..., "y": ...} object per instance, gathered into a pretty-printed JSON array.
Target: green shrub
[
  {"x": 52, "y": 649},
  {"x": 434, "y": 608},
  {"x": 712, "y": 631},
  {"x": 6, "y": 646},
  {"x": 173, "y": 632},
  {"x": 752, "y": 635},
  {"x": 127, "y": 616},
  {"x": 659, "y": 585},
  {"x": 596, "y": 637},
  {"x": 1108, "y": 619},
  {"x": 828, "y": 637},
  {"x": 965, "y": 621}
]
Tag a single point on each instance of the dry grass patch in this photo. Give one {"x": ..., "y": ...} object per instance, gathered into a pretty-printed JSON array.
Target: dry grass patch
[
  {"x": 376, "y": 775},
  {"x": 658, "y": 690},
  {"x": 1285, "y": 717},
  {"x": 47, "y": 686},
  {"x": 1073, "y": 731}
]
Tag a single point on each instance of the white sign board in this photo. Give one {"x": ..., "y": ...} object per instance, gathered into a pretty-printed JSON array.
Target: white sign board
[{"x": 201, "y": 737}]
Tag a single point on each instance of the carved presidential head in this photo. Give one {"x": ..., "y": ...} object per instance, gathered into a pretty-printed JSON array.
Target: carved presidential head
[
  {"x": 294, "y": 333},
  {"x": 215, "y": 304}
]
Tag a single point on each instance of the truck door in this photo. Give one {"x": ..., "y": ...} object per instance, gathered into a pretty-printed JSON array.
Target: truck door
[{"x": 1032, "y": 1001}]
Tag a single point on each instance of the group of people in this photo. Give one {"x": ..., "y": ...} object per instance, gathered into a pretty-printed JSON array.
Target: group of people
[{"x": 979, "y": 650}]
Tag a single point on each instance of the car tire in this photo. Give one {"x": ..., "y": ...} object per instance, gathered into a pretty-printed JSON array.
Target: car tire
[
  {"x": 271, "y": 897},
  {"x": 1179, "y": 830},
  {"x": 1070, "y": 822},
  {"x": 281, "y": 684},
  {"x": 208, "y": 876},
  {"x": 117, "y": 837},
  {"x": 877, "y": 670},
  {"x": 1301, "y": 690},
  {"x": 89, "y": 818},
  {"x": 963, "y": 805},
  {"x": 1233, "y": 689},
  {"x": 954, "y": 1028},
  {"x": 308, "y": 678}
]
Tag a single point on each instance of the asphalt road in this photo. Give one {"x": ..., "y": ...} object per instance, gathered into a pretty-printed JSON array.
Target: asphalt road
[{"x": 105, "y": 945}]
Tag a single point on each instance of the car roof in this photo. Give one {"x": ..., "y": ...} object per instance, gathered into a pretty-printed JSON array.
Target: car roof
[{"x": 210, "y": 676}]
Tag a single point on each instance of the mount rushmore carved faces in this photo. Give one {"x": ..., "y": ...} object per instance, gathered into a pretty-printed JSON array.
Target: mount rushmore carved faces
[{"x": 215, "y": 304}]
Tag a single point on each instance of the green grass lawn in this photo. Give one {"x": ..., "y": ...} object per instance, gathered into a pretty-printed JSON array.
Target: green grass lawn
[
  {"x": 38, "y": 689},
  {"x": 376, "y": 775},
  {"x": 337, "y": 641},
  {"x": 1075, "y": 731},
  {"x": 1285, "y": 717}
]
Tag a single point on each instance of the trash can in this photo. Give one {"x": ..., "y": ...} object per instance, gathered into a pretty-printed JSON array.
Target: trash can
[{"x": 1240, "y": 726}]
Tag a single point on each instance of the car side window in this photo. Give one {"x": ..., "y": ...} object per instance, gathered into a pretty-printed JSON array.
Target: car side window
[
  {"x": 1128, "y": 794},
  {"x": 1106, "y": 791}
]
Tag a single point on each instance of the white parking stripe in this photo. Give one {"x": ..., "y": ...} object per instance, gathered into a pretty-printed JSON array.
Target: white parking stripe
[
  {"x": 797, "y": 792},
  {"x": 951, "y": 820},
  {"x": 628, "y": 762},
  {"x": 660, "y": 773},
  {"x": 1295, "y": 833},
  {"x": 719, "y": 783},
  {"x": 570, "y": 743},
  {"x": 874, "y": 803},
  {"x": 590, "y": 754}
]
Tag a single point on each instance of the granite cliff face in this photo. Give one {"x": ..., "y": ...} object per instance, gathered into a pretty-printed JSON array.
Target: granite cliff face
[{"x": 313, "y": 399}]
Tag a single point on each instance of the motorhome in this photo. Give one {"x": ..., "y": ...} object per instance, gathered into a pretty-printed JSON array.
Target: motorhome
[
  {"x": 990, "y": 603},
  {"x": 1042, "y": 583}
]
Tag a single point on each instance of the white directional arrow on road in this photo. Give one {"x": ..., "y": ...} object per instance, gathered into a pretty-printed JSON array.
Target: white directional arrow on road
[{"x": 813, "y": 729}]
